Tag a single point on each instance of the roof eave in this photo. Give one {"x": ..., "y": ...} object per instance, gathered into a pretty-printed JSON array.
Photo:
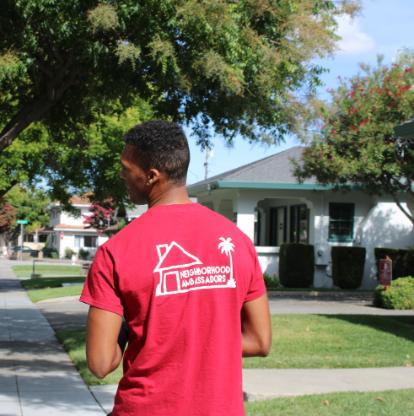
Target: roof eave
[{"x": 273, "y": 185}]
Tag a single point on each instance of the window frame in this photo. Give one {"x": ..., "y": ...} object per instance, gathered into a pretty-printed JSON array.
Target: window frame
[{"x": 341, "y": 237}]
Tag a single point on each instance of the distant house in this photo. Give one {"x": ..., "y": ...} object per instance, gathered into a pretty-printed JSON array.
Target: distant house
[
  {"x": 67, "y": 230},
  {"x": 265, "y": 200}
]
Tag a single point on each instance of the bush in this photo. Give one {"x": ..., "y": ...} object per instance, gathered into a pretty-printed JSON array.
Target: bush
[
  {"x": 50, "y": 252},
  {"x": 296, "y": 265},
  {"x": 400, "y": 295},
  {"x": 348, "y": 266},
  {"x": 271, "y": 282},
  {"x": 69, "y": 253},
  {"x": 408, "y": 263},
  {"x": 83, "y": 254},
  {"x": 397, "y": 257}
]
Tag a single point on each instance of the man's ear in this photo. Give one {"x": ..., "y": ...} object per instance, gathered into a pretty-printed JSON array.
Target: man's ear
[{"x": 153, "y": 176}]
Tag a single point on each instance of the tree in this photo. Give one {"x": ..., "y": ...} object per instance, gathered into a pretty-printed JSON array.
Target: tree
[
  {"x": 231, "y": 67},
  {"x": 7, "y": 217},
  {"x": 357, "y": 144},
  {"x": 30, "y": 204}
]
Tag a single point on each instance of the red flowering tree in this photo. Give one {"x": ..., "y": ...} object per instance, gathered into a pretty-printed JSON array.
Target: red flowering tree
[
  {"x": 7, "y": 217},
  {"x": 356, "y": 143},
  {"x": 102, "y": 216}
]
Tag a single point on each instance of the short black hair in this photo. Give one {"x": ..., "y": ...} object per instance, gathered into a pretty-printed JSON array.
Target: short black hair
[{"x": 161, "y": 145}]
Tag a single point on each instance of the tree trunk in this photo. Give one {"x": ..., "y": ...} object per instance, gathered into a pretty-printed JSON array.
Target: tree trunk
[{"x": 22, "y": 120}]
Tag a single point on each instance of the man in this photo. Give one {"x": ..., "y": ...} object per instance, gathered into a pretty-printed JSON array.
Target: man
[{"x": 189, "y": 285}]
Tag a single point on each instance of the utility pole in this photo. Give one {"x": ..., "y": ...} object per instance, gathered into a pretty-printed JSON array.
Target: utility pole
[{"x": 208, "y": 152}]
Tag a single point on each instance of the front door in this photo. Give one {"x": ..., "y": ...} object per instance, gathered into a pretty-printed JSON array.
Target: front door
[{"x": 277, "y": 226}]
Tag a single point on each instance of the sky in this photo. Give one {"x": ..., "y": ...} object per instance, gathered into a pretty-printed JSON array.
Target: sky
[{"x": 383, "y": 27}]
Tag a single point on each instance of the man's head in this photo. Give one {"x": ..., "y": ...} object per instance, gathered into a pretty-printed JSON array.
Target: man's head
[{"x": 156, "y": 153}]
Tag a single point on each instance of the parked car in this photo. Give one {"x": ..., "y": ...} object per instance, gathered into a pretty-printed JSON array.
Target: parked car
[{"x": 22, "y": 252}]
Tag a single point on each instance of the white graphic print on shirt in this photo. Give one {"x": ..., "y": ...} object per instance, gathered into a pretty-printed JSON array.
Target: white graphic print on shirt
[{"x": 181, "y": 272}]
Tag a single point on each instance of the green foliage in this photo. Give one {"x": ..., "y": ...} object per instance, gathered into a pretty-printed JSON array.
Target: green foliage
[
  {"x": 397, "y": 257},
  {"x": 271, "y": 282},
  {"x": 348, "y": 266},
  {"x": 50, "y": 252},
  {"x": 69, "y": 253},
  {"x": 30, "y": 204},
  {"x": 296, "y": 265},
  {"x": 227, "y": 67},
  {"x": 84, "y": 254},
  {"x": 400, "y": 295},
  {"x": 356, "y": 143}
]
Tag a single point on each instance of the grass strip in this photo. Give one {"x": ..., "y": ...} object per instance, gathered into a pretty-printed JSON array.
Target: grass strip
[
  {"x": 24, "y": 271},
  {"x": 385, "y": 403},
  {"x": 37, "y": 295},
  {"x": 338, "y": 341}
]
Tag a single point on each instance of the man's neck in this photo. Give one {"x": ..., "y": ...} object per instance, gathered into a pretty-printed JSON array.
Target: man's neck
[{"x": 174, "y": 194}]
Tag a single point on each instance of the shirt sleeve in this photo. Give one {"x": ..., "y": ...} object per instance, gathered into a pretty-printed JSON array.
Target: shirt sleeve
[
  {"x": 101, "y": 286},
  {"x": 257, "y": 287}
]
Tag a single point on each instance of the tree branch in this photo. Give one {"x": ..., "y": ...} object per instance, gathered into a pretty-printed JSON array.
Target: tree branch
[{"x": 34, "y": 111}]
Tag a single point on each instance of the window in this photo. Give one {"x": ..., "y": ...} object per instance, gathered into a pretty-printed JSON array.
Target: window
[
  {"x": 78, "y": 241},
  {"x": 299, "y": 224},
  {"x": 341, "y": 222},
  {"x": 89, "y": 241}
]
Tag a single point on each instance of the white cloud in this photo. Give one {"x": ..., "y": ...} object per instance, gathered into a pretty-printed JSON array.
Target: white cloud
[{"x": 353, "y": 39}]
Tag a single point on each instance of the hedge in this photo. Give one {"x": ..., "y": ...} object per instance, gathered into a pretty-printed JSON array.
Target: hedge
[
  {"x": 296, "y": 265},
  {"x": 348, "y": 266}
]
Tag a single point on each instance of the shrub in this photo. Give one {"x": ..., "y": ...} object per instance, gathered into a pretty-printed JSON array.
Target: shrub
[
  {"x": 296, "y": 265},
  {"x": 69, "y": 253},
  {"x": 397, "y": 257},
  {"x": 50, "y": 252},
  {"x": 271, "y": 282},
  {"x": 408, "y": 263},
  {"x": 400, "y": 295},
  {"x": 348, "y": 266},
  {"x": 83, "y": 254}
]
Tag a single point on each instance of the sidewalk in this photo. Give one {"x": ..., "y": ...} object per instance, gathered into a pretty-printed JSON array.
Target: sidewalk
[
  {"x": 264, "y": 384},
  {"x": 37, "y": 377}
]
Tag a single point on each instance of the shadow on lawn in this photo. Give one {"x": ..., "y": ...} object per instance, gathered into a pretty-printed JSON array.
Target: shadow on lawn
[{"x": 401, "y": 326}]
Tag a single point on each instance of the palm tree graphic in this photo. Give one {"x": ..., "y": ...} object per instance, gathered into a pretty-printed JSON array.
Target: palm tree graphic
[{"x": 227, "y": 247}]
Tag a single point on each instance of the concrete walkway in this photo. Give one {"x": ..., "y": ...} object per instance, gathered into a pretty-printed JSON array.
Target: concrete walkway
[{"x": 37, "y": 377}]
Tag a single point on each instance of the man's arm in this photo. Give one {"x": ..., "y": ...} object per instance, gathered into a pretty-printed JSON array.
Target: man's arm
[
  {"x": 256, "y": 328},
  {"x": 103, "y": 354}
]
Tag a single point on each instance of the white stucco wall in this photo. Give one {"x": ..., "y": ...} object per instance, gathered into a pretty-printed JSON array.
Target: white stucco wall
[{"x": 385, "y": 226}]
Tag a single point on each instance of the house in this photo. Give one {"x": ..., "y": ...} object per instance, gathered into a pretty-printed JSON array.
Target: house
[
  {"x": 268, "y": 204},
  {"x": 405, "y": 130},
  {"x": 68, "y": 231}
]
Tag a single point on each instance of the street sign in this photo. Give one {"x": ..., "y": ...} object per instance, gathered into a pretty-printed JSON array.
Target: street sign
[{"x": 22, "y": 221}]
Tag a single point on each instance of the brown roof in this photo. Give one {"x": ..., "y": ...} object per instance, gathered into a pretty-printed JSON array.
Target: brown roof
[
  {"x": 73, "y": 227},
  {"x": 84, "y": 199}
]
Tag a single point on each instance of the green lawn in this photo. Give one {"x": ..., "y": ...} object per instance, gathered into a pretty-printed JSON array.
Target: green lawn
[
  {"x": 53, "y": 287},
  {"x": 313, "y": 341},
  {"x": 385, "y": 403},
  {"x": 36, "y": 295},
  {"x": 24, "y": 271},
  {"x": 338, "y": 341},
  {"x": 388, "y": 403}
]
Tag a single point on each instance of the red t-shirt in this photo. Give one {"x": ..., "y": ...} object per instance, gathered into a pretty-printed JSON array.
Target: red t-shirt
[{"x": 180, "y": 275}]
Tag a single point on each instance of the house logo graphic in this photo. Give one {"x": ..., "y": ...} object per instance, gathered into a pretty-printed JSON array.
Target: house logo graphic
[{"x": 180, "y": 271}]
